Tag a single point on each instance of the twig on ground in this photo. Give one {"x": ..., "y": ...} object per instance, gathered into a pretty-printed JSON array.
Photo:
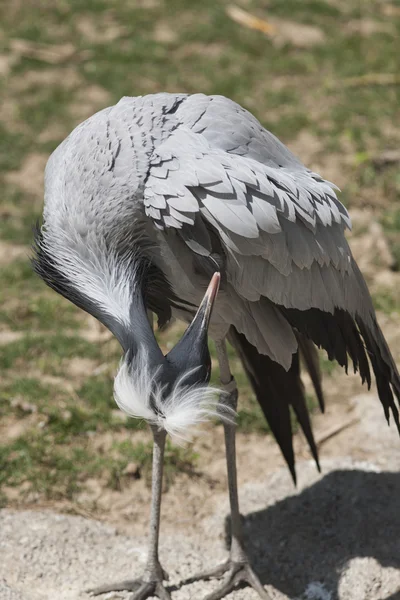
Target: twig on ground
[
  {"x": 367, "y": 79},
  {"x": 335, "y": 430},
  {"x": 248, "y": 20},
  {"x": 49, "y": 53},
  {"x": 386, "y": 158}
]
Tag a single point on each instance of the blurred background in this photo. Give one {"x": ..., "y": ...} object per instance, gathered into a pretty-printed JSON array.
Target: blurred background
[{"x": 323, "y": 75}]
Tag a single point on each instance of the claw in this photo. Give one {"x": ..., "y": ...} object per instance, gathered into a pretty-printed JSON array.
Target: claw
[
  {"x": 141, "y": 588},
  {"x": 237, "y": 573},
  {"x": 147, "y": 590},
  {"x": 214, "y": 573}
]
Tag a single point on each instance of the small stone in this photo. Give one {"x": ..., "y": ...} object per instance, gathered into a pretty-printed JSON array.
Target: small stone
[
  {"x": 132, "y": 469},
  {"x": 22, "y": 405}
]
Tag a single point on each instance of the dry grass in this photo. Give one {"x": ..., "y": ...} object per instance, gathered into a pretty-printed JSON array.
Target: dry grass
[{"x": 313, "y": 82}]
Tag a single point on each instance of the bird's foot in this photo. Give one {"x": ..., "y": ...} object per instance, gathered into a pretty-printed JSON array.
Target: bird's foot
[
  {"x": 148, "y": 586},
  {"x": 237, "y": 573}
]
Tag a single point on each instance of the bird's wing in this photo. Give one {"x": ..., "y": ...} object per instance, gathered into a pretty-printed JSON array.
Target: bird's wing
[
  {"x": 281, "y": 228},
  {"x": 273, "y": 222}
]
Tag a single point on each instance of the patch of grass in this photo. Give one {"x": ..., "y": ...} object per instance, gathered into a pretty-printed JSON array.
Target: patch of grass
[
  {"x": 386, "y": 301},
  {"x": 176, "y": 460},
  {"x": 17, "y": 275},
  {"x": 306, "y": 12},
  {"x": 40, "y": 313},
  {"x": 327, "y": 366},
  {"x": 96, "y": 394},
  {"x": 289, "y": 125},
  {"x": 13, "y": 147},
  {"x": 18, "y": 215},
  {"x": 29, "y": 390},
  {"x": 56, "y": 466},
  {"x": 40, "y": 467},
  {"x": 391, "y": 224},
  {"x": 42, "y": 104},
  {"x": 251, "y": 417},
  {"x": 48, "y": 351},
  {"x": 17, "y": 226},
  {"x": 41, "y": 309}
]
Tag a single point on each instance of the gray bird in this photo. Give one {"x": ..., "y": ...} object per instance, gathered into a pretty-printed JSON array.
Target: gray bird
[{"x": 144, "y": 202}]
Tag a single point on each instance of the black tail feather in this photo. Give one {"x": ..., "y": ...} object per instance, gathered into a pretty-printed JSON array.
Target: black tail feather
[
  {"x": 277, "y": 389},
  {"x": 354, "y": 346},
  {"x": 386, "y": 374},
  {"x": 298, "y": 402},
  {"x": 310, "y": 356},
  {"x": 341, "y": 335}
]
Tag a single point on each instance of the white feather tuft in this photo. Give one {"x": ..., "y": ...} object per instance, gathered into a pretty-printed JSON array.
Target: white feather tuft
[
  {"x": 183, "y": 409},
  {"x": 98, "y": 272}
]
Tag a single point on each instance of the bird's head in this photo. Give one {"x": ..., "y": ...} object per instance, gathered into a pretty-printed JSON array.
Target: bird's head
[{"x": 171, "y": 391}]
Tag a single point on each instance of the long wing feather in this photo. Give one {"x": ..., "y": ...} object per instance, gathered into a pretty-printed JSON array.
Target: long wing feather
[
  {"x": 282, "y": 232},
  {"x": 275, "y": 210},
  {"x": 276, "y": 390},
  {"x": 310, "y": 356}
]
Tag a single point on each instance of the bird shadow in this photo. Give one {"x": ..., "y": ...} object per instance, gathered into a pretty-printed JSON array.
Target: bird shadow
[{"x": 311, "y": 536}]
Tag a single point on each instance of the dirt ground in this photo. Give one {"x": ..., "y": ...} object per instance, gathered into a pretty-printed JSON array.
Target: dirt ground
[{"x": 344, "y": 524}]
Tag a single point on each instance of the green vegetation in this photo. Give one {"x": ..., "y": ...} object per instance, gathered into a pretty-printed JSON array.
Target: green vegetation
[
  {"x": 67, "y": 59},
  {"x": 391, "y": 224}
]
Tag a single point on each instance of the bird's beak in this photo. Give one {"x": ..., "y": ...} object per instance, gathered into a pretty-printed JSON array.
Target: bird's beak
[
  {"x": 203, "y": 314},
  {"x": 192, "y": 348},
  {"x": 198, "y": 328}
]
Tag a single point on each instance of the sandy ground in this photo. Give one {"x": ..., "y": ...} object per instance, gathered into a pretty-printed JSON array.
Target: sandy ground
[{"x": 336, "y": 536}]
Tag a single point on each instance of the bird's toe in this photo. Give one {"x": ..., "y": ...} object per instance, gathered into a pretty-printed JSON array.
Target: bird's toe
[
  {"x": 238, "y": 573},
  {"x": 149, "y": 590},
  {"x": 213, "y": 573},
  {"x": 129, "y": 585}
]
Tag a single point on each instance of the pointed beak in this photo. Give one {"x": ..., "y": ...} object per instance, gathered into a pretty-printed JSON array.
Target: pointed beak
[
  {"x": 191, "y": 352},
  {"x": 205, "y": 309}
]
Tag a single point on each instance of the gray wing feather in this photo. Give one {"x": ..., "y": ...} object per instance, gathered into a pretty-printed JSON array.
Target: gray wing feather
[
  {"x": 278, "y": 338},
  {"x": 242, "y": 132},
  {"x": 180, "y": 216},
  {"x": 265, "y": 215},
  {"x": 233, "y": 213},
  {"x": 282, "y": 225},
  {"x": 263, "y": 324},
  {"x": 197, "y": 237},
  {"x": 206, "y": 177}
]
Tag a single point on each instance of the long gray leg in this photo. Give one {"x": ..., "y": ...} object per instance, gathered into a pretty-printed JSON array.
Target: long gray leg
[
  {"x": 229, "y": 384},
  {"x": 151, "y": 583},
  {"x": 153, "y": 567},
  {"x": 237, "y": 567}
]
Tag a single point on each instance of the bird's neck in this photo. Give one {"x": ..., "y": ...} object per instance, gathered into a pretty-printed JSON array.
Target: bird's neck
[
  {"x": 139, "y": 334},
  {"x": 109, "y": 286}
]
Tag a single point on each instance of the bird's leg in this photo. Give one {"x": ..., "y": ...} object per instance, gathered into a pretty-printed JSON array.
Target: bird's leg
[
  {"x": 151, "y": 582},
  {"x": 237, "y": 567}
]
